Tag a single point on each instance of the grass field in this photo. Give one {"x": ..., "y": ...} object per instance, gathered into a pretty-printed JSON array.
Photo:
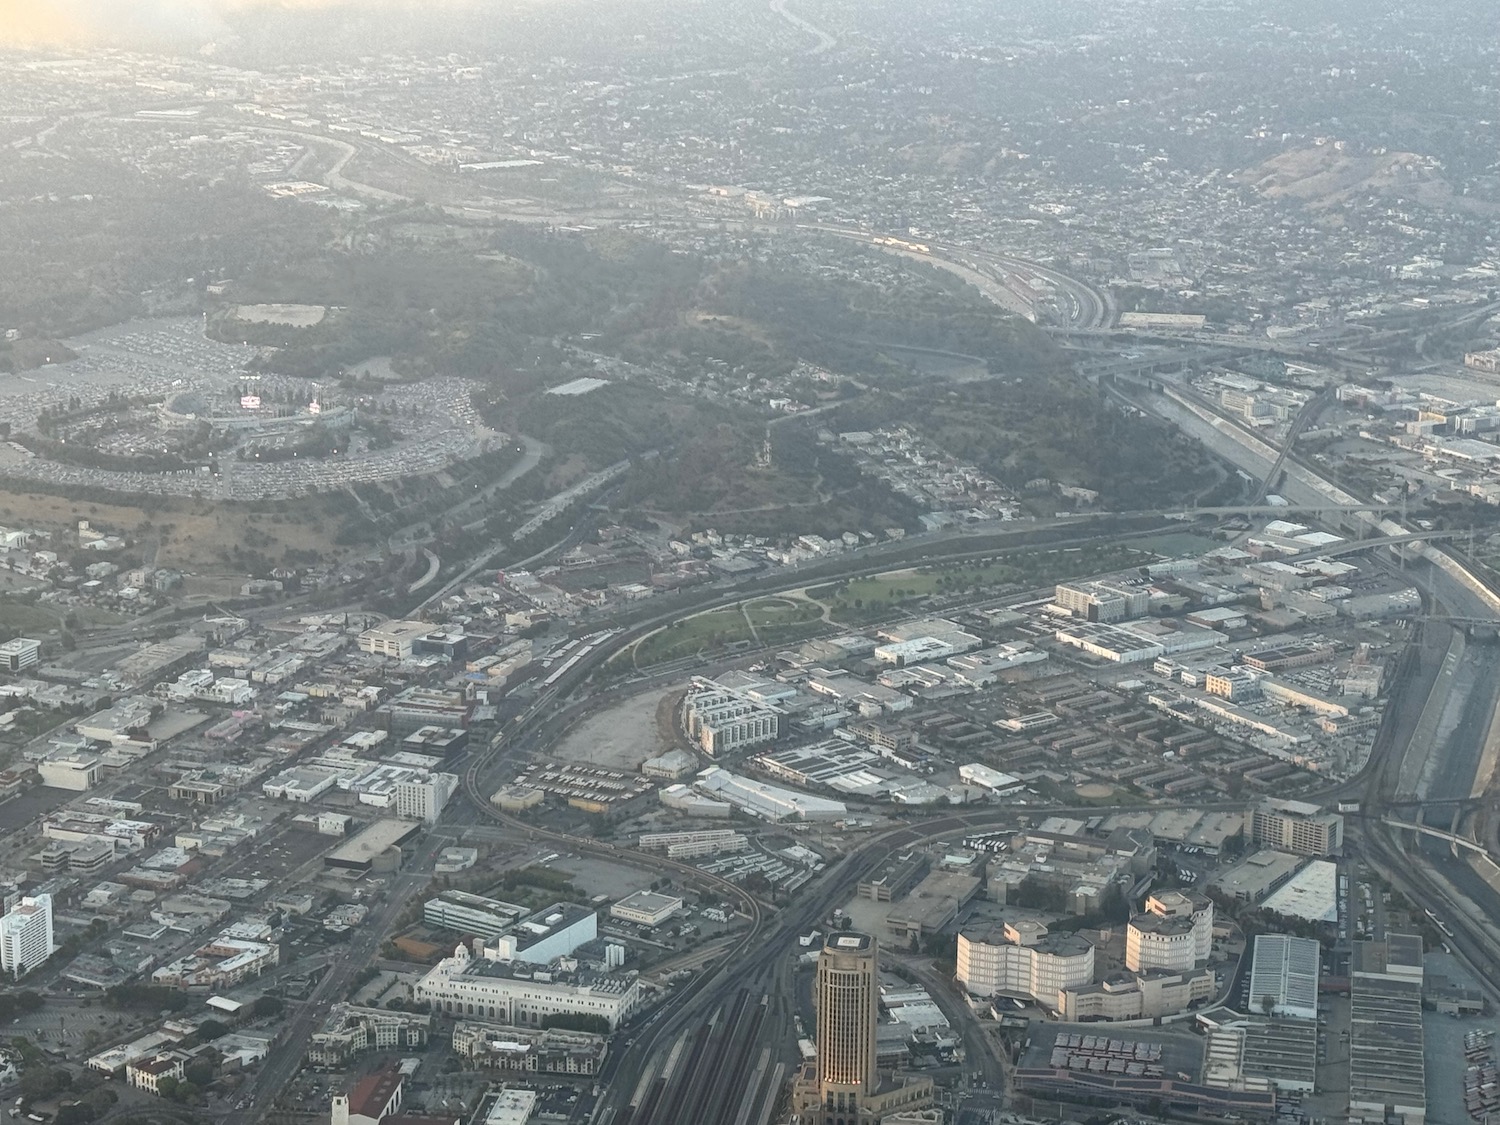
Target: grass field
[
  {"x": 27, "y": 618},
  {"x": 1177, "y": 544},
  {"x": 778, "y": 613},
  {"x": 777, "y": 621},
  {"x": 870, "y": 599}
]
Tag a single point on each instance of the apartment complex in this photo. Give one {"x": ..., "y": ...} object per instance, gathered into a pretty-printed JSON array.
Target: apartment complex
[
  {"x": 26, "y": 935},
  {"x": 720, "y": 721},
  {"x": 1297, "y": 827},
  {"x": 351, "y": 1030},
  {"x": 534, "y": 1051}
]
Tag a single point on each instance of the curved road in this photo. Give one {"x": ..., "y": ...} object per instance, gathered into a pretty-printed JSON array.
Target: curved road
[{"x": 825, "y": 42}]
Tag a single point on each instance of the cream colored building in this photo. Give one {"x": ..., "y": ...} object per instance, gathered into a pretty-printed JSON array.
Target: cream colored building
[
  {"x": 1175, "y": 932},
  {"x": 1022, "y": 960},
  {"x": 843, "y": 1087},
  {"x": 1135, "y": 996}
]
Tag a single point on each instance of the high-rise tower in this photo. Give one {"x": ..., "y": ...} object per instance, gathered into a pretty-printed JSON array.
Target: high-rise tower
[
  {"x": 848, "y": 1004},
  {"x": 843, "y": 1086},
  {"x": 26, "y": 935}
]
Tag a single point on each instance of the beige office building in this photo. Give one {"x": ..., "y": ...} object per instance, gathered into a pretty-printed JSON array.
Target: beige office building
[{"x": 843, "y": 1086}]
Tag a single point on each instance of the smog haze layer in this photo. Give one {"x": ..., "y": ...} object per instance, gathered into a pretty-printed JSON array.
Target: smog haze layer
[{"x": 211, "y": 24}]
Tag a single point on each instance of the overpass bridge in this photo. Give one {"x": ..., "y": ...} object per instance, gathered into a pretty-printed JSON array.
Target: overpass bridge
[
  {"x": 1451, "y": 838},
  {"x": 1256, "y": 509}
]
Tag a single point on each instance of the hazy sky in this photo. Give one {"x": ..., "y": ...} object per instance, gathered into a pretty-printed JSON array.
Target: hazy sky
[{"x": 130, "y": 22}]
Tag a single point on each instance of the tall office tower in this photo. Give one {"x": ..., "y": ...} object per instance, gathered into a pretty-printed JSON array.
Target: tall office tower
[
  {"x": 843, "y": 1087},
  {"x": 848, "y": 1004},
  {"x": 26, "y": 935}
]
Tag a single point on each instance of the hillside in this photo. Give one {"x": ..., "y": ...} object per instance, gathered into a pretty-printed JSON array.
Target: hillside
[{"x": 1324, "y": 176}]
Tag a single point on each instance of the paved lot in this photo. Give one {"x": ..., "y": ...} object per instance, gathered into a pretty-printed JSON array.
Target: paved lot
[
  {"x": 621, "y": 737},
  {"x": 1445, "y": 1047}
]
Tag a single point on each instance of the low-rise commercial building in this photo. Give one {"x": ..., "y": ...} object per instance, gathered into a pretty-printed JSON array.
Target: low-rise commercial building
[
  {"x": 553, "y": 932},
  {"x": 147, "y": 1074},
  {"x": 393, "y": 639},
  {"x": 932, "y": 904},
  {"x": 77, "y": 772},
  {"x": 222, "y": 962},
  {"x": 1136, "y": 996},
  {"x": 645, "y": 908},
  {"x": 376, "y": 848},
  {"x": 1284, "y": 976},
  {"x": 471, "y": 915},
  {"x": 767, "y": 802},
  {"x": 1387, "y": 1069},
  {"x": 20, "y": 653}
]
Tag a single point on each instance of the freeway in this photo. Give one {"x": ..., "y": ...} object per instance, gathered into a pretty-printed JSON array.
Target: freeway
[
  {"x": 1308, "y": 414},
  {"x": 1436, "y": 748}
]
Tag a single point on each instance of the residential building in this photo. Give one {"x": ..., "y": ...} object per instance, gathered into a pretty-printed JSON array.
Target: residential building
[
  {"x": 351, "y": 1030},
  {"x": 722, "y": 721},
  {"x": 1021, "y": 960},
  {"x": 1174, "y": 932},
  {"x": 1297, "y": 827},
  {"x": 1103, "y": 602},
  {"x": 692, "y": 845},
  {"x": 423, "y": 798},
  {"x": 26, "y": 935},
  {"x": 535, "y": 1051}
]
